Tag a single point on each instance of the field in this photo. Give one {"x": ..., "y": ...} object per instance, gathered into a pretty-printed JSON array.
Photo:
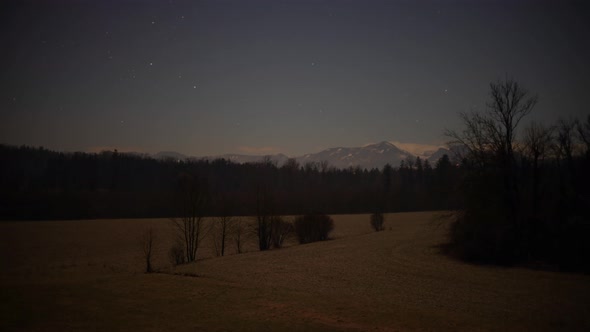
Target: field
[{"x": 87, "y": 275}]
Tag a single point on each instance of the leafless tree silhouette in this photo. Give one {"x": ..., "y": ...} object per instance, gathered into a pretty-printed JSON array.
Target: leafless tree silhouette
[
  {"x": 222, "y": 228},
  {"x": 538, "y": 140},
  {"x": 147, "y": 242},
  {"x": 584, "y": 134},
  {"x": 239, "y": 231},
  {"x": 281, "y": 230},
  {"x": 191, "y": 227},
  {"x": 493, "y": 223},
  {"x": 490, "y": 136}
]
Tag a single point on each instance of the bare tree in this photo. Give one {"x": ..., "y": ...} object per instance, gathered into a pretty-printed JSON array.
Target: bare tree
[
  {"x": 494, "y": 131},
  {"x": 492, "y": 224},
  {"x": 281, "y": 229},
  {"x": 222, "y": 228},
  {"x": 191, "y": 226},
  {"x": 223, "y": 224},
  {"x": 490, "y": 136},
  {"x": 509, "y": 104},
  {"x": 537, "y": 143},
  {"x": 584, "y": 134},
  {"x": 147, "y": 241},
  {"x": 263, "y": 226},
  {"x": 565, "y": 139},
  {"x": 565, "y": 148},
  {"x": 239, "y": 232}
]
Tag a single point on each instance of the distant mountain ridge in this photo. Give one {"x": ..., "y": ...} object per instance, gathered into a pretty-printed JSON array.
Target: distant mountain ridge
[{"x": 367, "y": 157}]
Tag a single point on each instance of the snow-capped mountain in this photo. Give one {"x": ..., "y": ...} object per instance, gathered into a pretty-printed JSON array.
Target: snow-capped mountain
[{"x": 370, "y": 156}]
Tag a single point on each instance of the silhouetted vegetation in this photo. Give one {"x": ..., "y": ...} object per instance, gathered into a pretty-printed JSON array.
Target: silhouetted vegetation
[
  {"x": 525, "y": 200},
  {"x": 192, "y": 201},
  {"x": 147, "y": 242},
  {"x": 221, "y": 228},
  {"x": 176, "y": 254},
  {"x": 239, "y": 231},
  {"x": 313, "y": 227},
  {"x": 377, "y": 220},
  {"x": 42, "y": 184},
  {"x": 281, "y": 230}
]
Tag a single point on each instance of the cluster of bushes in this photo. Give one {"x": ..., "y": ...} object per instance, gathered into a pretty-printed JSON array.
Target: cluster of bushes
[
  {"x": 271, "y": 232},
  {"x": 313, "y": 227},
  {"x": 377, "y": 221}
]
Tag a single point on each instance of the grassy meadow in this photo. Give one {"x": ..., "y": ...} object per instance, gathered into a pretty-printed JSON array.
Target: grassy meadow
[{"x": 88, "y": 275}]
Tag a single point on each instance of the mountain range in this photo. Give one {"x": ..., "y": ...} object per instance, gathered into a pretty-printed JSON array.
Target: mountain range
[{"x": 369, "y": 156}]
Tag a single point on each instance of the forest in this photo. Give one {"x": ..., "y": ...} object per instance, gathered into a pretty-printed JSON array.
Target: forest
[{"x": 41, "y": 184}]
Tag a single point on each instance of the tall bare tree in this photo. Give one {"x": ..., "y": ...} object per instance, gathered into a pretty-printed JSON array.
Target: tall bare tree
[
  {"x": 490, "y": 136},
  {"x": 495, "y": 129},
  {"x": 263, "y": 226},
  {"x": 265, "y": 205},
  {"x": 538, "y": 140},
  {"x": 565, "y": 146},
  {"x": 565, "y": 149},
  {"x": 239, "y": 231},
  {"x": 190, "y": 226},
  {"x": 584, "y": 134},
  {"x": 147, "y": 242},
  {"x": 223, "y": 224},
  {"x": 222, "y": 228}
]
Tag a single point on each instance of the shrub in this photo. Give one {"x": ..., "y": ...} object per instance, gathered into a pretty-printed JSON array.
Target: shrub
[
  {"x": 313, "y": 227},
  {"x": 377, "y": 220},
  {"x": 176, "y": 254},
  {"x": 147, "y": 242},
  {"x": 280, "y": 230}
]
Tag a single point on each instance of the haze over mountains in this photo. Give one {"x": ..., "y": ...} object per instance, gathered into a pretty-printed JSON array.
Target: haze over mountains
[{"x": 369, "y": 156}]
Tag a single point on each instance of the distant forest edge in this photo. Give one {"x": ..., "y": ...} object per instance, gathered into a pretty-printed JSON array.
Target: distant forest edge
[{"x": 41, "y": 184}]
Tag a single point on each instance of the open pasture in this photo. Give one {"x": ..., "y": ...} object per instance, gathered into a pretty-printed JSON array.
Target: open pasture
[{"x": 87, "y": 275}]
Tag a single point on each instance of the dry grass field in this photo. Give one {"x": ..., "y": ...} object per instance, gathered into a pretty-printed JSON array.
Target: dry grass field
[{"x": 87, "y": 275}]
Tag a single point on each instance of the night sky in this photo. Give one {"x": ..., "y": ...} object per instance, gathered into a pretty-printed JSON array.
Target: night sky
[{"x": 262, "y": 77}]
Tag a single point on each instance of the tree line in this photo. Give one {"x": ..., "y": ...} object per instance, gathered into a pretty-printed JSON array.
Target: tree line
[{"x": 41, "y": 184}]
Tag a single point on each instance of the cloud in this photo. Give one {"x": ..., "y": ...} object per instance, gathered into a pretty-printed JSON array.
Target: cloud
[
  {"x": 262, "y": 150},
  {"x": 417, "y": 149}
]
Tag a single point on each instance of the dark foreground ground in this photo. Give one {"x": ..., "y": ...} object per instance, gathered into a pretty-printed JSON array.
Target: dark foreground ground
[{"x": 87, "y": 275}]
